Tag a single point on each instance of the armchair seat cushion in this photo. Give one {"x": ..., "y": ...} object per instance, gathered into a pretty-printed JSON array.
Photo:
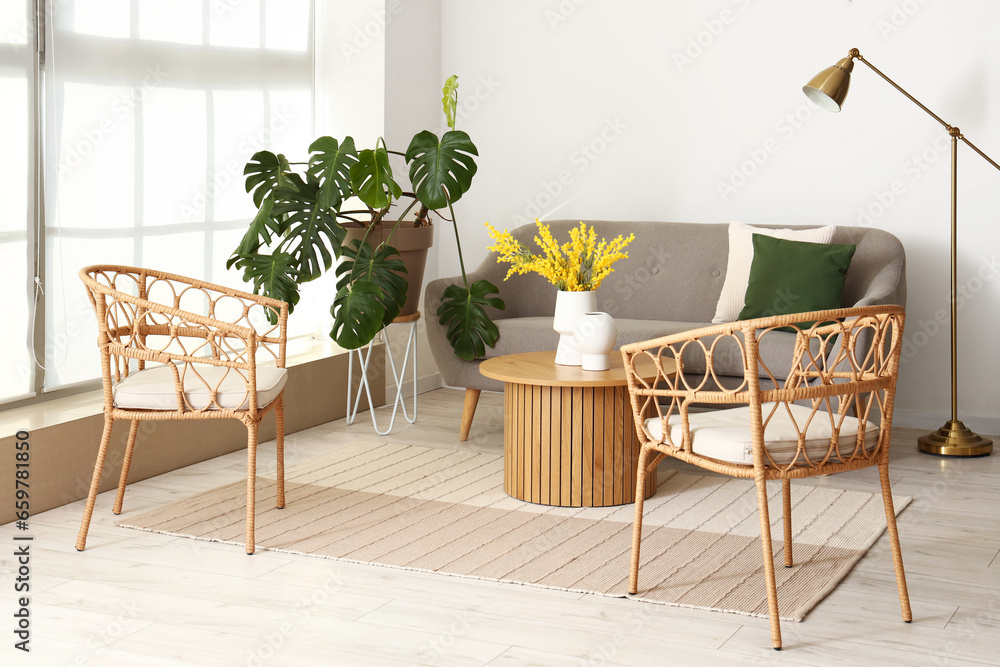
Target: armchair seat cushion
[
  {"x": 725, "y": 435},
  {"x": 155, "y": 389}
]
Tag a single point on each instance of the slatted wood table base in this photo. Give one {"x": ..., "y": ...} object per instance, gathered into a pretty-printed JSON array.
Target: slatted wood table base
[
  {"x": 570, "y": 446},
  {"x": 569, "y": 434}
]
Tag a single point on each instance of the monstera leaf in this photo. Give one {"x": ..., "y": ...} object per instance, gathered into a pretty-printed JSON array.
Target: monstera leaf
[
  {"x": 449, "y": 100},
  {"x": 370, "y": 293},
  {"x": 331, "y": 163},
  {"x": 311, "y": 229},
  {"x": 265, "y": 171},
  {"x": 441, "y": 170},
  {"x": 379, "y": 268},
  {"x": 260, "y": 231},
  {"x": 371, "y": 177},
  {"x": 470, "y": 329},
  {"x": 272, "y": 275}
]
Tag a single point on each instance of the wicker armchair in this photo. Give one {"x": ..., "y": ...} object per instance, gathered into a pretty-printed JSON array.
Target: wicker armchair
[
  {"x": 845, "y": 363},
  {"x": 160, "y": 360}
]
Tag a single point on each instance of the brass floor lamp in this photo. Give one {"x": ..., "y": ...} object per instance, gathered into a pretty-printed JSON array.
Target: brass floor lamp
[{"x": 828, "y": 89}]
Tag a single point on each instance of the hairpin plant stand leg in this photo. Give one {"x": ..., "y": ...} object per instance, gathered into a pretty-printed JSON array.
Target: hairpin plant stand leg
[{"x": 398, "y": 377}]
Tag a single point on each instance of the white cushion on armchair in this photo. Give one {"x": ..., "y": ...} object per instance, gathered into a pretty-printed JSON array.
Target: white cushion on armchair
[
  {"x": 155, "y": 389},
  {"x": 725, "y": 435}
]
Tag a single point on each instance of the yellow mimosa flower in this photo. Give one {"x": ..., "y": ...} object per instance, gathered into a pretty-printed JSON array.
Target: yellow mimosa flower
[{"x": 578, "y": 265}]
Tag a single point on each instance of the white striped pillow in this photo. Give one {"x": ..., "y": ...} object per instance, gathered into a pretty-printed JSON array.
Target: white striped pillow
[{"x": 734, "y": 289}]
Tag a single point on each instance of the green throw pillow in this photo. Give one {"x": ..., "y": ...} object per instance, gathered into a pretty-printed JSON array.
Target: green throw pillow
[{"x": 795, "y": 277}]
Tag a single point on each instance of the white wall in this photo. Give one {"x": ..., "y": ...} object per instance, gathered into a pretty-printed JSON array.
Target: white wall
[
  {"x": 378, "y": 65},
  {"x": 413, "y": 81},
  {"x": 350, "y": 100},
  {"x": 648, "y": 110}
]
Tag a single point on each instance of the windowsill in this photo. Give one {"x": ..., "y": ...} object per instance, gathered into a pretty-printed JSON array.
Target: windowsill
[
  {"x": 51, "y": 413},
  {"x": 56, "y": 411}
]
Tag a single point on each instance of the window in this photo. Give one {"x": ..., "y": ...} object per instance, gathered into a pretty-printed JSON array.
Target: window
[
  {"x": 16, "y": 184},
  {"x": 151, "y": 110}
]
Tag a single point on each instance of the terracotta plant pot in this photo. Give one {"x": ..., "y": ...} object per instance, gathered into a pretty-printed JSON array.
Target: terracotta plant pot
[{"x": 412, "y": 244}]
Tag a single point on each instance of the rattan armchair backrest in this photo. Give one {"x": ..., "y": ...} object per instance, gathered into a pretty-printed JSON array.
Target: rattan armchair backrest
[
  {"x": 844, "y": 365},
  {"x": 150, "y": 316}
]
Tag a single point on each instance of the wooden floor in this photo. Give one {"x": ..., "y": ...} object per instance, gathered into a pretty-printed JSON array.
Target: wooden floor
[{"x": 135, "y": 598}]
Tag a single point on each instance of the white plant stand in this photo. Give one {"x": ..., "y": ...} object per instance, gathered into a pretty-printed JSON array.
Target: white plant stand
[{"x": 364, "y": 357}]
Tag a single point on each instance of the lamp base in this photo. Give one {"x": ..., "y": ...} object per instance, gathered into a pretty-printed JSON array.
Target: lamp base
[{"x": 955, "y": 439}]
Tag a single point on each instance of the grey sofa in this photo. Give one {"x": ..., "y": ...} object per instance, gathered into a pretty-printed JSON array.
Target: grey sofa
[{"x": 670, "y": 283}]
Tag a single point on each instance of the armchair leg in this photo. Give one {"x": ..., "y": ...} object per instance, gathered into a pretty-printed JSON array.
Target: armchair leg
[
  {"x": 640, "y": 496},
  {"x": 251, "y": 484},
  {"x": 279, "y": 427},
  {"x": 786, "y": 502},
  {"x": 765, "y": 540},
  {"x": 468, "y": 412},
  {"x": 95, "y": 483},
  {"x": 897, "y": 556},
  {"x": 126, "y": 463}
]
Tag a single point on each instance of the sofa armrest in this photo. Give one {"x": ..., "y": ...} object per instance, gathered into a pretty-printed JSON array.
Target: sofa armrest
[
  {"x": 888, "y": 286},
  {"x": 881, "y": 279},
  {"x": 444, "y": 356}
]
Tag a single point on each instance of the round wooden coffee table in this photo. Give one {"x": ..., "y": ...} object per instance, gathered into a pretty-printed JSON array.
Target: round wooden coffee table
[{"x": 569, "y": 435}]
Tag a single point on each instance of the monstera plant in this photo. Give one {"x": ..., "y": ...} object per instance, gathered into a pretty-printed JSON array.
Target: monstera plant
[{"x": 302, "y": 223}]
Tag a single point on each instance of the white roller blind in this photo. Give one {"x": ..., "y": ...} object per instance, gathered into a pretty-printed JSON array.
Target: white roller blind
[
  {"x": 16, "y": 184},
  {"x": 153, "y": 109}
]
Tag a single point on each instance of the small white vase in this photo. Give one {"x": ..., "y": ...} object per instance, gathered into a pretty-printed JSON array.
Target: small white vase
[
  {"x": 595, "y": 337},
  {"x": 570, "y": 307}
]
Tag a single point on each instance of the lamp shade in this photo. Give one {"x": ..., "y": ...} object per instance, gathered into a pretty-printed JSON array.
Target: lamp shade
[{"x": 828, "y": 89}]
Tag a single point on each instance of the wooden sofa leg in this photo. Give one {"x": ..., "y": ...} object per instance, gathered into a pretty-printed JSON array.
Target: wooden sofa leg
[{"x": 468, "y": 412}]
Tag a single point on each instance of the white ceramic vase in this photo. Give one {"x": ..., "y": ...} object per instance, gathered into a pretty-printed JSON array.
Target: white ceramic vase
[
  {"x": 595, "y": 338},
  {"x": 570, "y": 307}
]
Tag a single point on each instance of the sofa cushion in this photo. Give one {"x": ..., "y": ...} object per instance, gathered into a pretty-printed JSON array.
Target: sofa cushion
[
  {"x": 741, "y": 257},
  {"x": 725, "y": 434},
  {"x": 795, "y": 277}
]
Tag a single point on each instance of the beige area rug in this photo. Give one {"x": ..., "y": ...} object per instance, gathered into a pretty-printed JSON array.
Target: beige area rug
[{"x": 444, "y": 511}]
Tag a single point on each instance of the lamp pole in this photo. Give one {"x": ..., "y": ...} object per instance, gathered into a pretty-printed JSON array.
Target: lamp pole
[{"x": 828, "y": 89}]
